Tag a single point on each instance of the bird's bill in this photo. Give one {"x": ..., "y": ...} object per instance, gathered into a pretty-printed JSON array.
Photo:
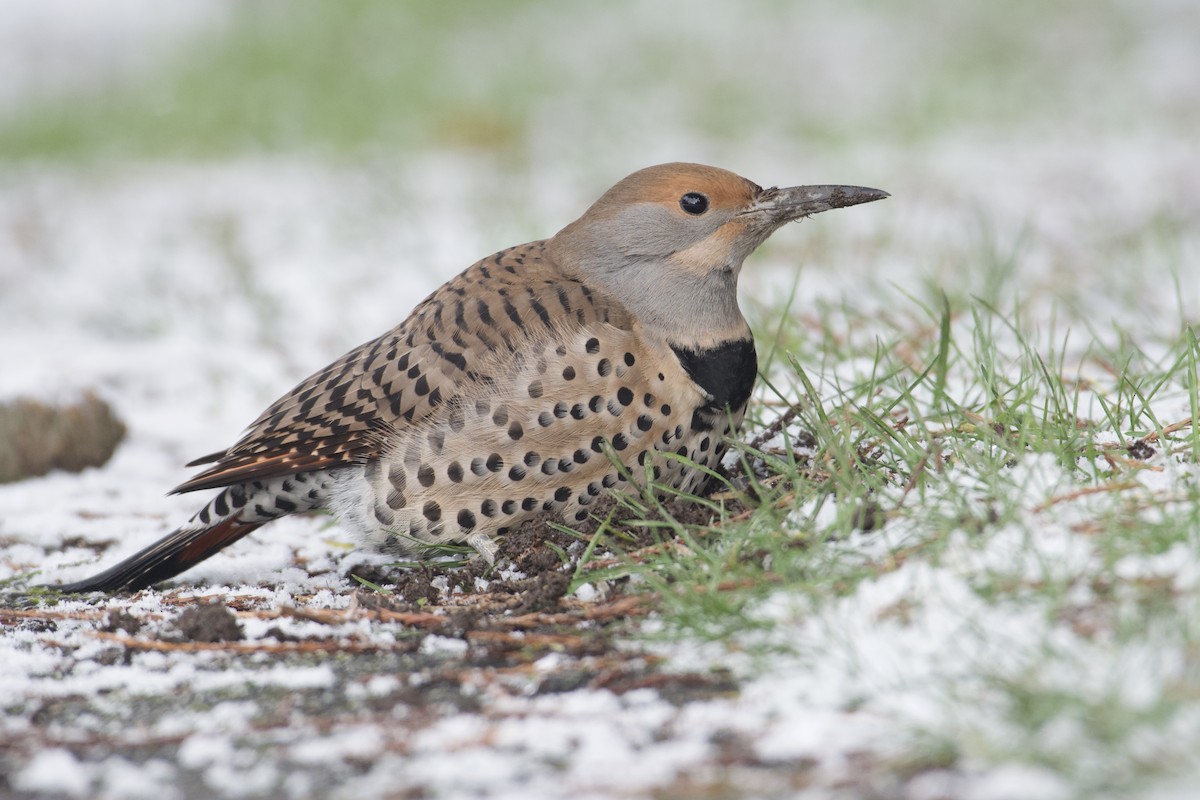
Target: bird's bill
[{"x": 795, "y": 202}]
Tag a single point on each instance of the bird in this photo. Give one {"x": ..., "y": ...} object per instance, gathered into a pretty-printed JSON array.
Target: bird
[{"x": 609, "y": 357}]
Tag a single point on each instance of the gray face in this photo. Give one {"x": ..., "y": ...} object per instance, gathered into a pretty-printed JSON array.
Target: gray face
[{"x": 652, "y": 231}]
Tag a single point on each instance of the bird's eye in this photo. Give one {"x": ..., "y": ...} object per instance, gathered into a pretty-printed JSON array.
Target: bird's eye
[{"x": 694, "y": 203}]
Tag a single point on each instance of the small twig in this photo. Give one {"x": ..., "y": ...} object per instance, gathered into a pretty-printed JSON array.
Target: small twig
[
  {"x": 1116, "y": 461},
  {"x": 417, "y": 619},
  {"x": 1153, "y": 436},
  {"x": 565, "y": 641},
  {"x": 776, "y": 426},
  {"x": 627, "y": 606},
  {"x": 92, "y": 614},
  {"x": 764, "y": 436},
  {"x": 641, "y": 554},
  {"x": 244, "y": 648},
  {"x": 917, "y": 472},
  {"x": 1085, "y": 492}
]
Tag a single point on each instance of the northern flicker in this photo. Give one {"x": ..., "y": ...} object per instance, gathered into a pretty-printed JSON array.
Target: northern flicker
[{"x": 543, "y": 376}]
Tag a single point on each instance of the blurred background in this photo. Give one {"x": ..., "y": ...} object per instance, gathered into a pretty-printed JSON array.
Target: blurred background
[{"x": 203, "y": 201}]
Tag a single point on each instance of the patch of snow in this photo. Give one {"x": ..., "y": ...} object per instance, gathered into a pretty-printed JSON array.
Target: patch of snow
[
  {"x": 55, "y": 772},
  {"x": 362, "y": 743},
  {"x": 1018, "y": 780},
  {"x": 152, "y": 780},
  {"x": 443, "y": 645}
]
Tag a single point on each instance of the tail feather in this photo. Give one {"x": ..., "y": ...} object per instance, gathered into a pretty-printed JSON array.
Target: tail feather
[
  {"x": 164, "y": 559},
  {"x": 230, "y": 515}
]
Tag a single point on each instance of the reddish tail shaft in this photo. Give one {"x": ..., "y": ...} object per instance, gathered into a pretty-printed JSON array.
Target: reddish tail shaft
[{"x": 164, "y": 559}]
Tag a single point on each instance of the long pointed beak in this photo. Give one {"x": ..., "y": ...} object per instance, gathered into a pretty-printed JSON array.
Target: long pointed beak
[{"x": 786, "y": 205}]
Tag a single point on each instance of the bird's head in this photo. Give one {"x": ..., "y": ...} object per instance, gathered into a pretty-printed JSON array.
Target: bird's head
[{"x": 678, "y": 233}]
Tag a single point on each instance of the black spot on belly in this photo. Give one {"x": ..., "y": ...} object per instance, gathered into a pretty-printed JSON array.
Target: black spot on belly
[
  {"x": 726, "y": 372},
  {"x": 425, "y": 475}
]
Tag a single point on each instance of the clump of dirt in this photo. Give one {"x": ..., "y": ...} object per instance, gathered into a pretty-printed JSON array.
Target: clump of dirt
[
  {"x": 371, "y": 600},
  {"x": 280, "y": 635},
  {"x": 120, "y": 620},
  {"x": 37, "y": 625},
  {"x": 1141, "y": 450},
  {"x": 542, "y": 593},
  {"x": 36, "y": 438},
  {"x": 417, "y": 586},
  {"x": 208, "y": 622},
  {"x": 378, "y": 574},
  {"x": 677, "y": 688},
  {"x": 869, "y": 516},
  {"x": 530, "y": 546}
]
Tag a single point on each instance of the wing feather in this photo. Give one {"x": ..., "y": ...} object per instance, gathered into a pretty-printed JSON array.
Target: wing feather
[{"x": 464, "y": 335}]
